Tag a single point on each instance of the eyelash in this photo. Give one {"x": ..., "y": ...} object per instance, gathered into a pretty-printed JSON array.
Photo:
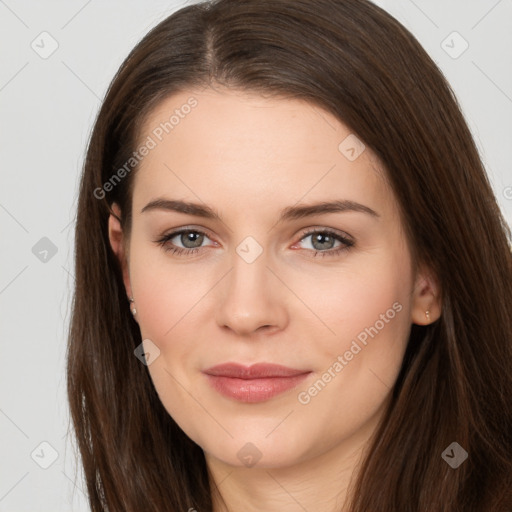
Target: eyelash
[{"x": 347, "y": 243}]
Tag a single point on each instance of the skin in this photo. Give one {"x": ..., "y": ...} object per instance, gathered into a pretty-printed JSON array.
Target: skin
[{"x": 249, "y": 157}]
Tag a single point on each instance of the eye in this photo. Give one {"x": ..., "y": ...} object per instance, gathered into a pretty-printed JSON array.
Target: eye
[
  {"x": 191, "y": 239},
  {"x": 323, "y": 242}
]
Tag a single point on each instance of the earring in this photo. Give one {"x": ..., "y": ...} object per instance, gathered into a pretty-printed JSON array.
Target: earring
[
  {"x": 133, "y": 310},
  {"x": 427, "y": 314}
]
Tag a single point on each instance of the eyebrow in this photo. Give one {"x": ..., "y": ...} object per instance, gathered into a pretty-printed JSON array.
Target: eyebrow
[{"x": 287, "y": 214}]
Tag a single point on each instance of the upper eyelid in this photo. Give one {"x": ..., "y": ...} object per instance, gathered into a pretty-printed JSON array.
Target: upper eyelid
[{"x": 186, "y": 229}]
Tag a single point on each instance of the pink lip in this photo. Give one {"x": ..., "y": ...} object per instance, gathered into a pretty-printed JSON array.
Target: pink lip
[{"x": 255, "y": 383}]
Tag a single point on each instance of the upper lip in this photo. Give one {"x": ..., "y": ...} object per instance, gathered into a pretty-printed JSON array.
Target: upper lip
[{"x": 255, "y": 371}]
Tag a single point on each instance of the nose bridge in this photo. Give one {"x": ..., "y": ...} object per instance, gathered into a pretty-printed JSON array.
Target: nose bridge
[{"x": 251, "y": 295}]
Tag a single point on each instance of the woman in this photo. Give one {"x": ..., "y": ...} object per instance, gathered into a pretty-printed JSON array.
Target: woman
[{"x": 292, "y": 275}]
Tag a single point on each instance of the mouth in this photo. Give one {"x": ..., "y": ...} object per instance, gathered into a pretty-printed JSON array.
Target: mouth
[{"x": 257, "y": 383}]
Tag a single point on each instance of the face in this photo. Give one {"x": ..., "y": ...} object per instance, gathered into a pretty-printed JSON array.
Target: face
[{"x": 266, "y": 278}]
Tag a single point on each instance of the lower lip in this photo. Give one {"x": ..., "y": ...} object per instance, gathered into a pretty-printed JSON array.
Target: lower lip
[{"x": 254, "y": 390}]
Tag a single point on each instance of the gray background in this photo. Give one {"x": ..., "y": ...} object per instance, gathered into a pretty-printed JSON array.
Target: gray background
[{"x": 47, "y": 108}]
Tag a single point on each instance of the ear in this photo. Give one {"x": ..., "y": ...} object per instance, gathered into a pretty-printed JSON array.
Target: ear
[
  {"x": 118, "y": 244},
  {"x": 426, "y": 298}
]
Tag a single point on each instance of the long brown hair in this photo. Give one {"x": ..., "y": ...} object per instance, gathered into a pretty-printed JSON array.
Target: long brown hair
[{"x": 357, "y": 62}]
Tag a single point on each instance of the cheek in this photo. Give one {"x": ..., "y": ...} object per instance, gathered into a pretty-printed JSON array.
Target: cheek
[
  {"x": 369, "y": 311},
  {"x": 168, "y": 301},
  {"x": 165, "y": 293},
  {"x": 357, "y": 368},
  {"x": 376, "y": 292}
]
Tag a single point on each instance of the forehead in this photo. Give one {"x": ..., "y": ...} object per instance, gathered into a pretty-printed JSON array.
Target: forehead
[{"x": 225, "y": 143}]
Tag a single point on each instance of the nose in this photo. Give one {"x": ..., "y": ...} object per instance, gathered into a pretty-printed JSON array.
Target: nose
[{"x": 251, "y": 298}]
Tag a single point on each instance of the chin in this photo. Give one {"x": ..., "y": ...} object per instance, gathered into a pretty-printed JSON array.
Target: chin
[{"x": 256, "y": 451}]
